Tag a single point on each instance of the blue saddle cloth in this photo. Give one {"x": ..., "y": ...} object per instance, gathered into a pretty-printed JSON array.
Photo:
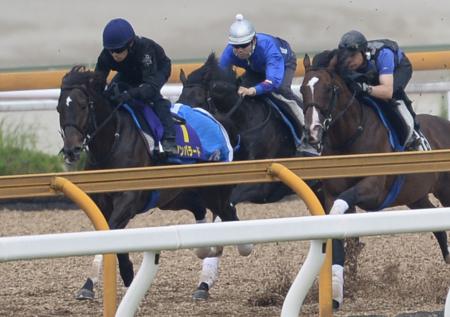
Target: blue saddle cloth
[
  {"x": 396, "y": 146},
  {"x": 199, "y": 137}
]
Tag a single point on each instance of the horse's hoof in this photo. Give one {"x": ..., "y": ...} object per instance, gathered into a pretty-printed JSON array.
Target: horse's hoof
[
  {"x": 447, "y": 259},
  {"x": 210, "y": 252},
  {"x": 200, "y": 294},
  {"x": 245, "y": 249},
  {"x": 202, "y": 253},
  {"x": 216, "y": 252},
  {"x": 85, "y": 294},
  {"x": 336, "y": 305}
]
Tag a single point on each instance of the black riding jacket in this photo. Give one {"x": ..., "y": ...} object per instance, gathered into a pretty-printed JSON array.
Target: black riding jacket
[{"x": 146, "y": 68}]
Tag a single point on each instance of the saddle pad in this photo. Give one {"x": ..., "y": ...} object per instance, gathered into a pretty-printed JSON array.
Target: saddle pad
[
  {"x": 393, "y": 137},
  {"x": 214, "y": 140}
]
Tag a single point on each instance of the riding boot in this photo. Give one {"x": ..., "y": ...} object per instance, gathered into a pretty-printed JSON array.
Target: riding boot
[{"x": 162, "y": 109}]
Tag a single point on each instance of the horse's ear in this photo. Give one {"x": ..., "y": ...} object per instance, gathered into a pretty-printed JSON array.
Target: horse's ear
[
  {"x": 183, "y": 77},
  {"x": 306, "y": 62},
  {"x": 333, "y": 63}
]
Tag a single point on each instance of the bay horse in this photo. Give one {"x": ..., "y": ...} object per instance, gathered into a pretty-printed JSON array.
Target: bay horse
[
  {"x": 89, "y": 122},
  {"x": 339, "y": 123}
]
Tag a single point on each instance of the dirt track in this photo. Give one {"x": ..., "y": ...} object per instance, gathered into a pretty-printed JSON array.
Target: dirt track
[{"x": 396, "y": 274}]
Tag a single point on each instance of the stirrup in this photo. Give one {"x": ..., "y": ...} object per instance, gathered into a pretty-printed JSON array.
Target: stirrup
[
  {"x": 169, "y": 146},
  {"x": 418, "y": 142},
  {"x": 306, "y": 150}
]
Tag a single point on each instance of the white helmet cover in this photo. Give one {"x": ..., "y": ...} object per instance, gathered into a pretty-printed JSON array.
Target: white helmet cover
[{"x": 241, "y": 31}]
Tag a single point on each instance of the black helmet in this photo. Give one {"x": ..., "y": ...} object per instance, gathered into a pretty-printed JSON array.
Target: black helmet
[{"x": 353, "y": 41}]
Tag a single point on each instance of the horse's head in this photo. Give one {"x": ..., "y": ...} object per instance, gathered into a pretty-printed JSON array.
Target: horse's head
[
  {"x": 79, "y": 90},
  {"x": 209, "y": 87},
  {"x": 322, "y": 90}
]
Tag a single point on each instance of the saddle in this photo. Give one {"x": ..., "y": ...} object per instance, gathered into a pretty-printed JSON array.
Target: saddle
[{"x": 290, "y": 112}]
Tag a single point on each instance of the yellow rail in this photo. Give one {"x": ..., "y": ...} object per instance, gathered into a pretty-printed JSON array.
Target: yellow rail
[
  {"x": 52, "y": 79},
  {"x": 315, "y": 208},
  {"x": 208, "y": 174},
  {"x": 98, "y": 220}
]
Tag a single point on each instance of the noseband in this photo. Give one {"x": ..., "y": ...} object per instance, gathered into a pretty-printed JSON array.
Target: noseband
[{"x": 330, "y": 120}]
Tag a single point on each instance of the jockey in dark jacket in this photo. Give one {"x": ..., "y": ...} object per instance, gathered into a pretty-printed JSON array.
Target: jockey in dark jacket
[
  {"x": 142, "y": 67},
  {"x": 386, "y": 71},
  {"x": 269, "y": 64}
]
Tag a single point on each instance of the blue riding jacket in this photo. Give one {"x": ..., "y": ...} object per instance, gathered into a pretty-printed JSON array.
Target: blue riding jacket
[{"x": 270, "y": 57}]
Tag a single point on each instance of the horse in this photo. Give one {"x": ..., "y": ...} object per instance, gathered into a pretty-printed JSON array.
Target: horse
[
  {"x": 339, "y": 123},
  {"x": 260, "y": 133},
  {"x": 90, "y": 122}
]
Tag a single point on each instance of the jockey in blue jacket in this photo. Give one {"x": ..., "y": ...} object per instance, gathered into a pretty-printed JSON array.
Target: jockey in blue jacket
[
  {"x": 269, "y": 64},
  {"x": 386, "y": 71}
]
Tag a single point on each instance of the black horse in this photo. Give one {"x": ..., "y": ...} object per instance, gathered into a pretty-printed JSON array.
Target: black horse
[
  {"x": 88, "y": 121},
  {"x": 260, "y": 132}
]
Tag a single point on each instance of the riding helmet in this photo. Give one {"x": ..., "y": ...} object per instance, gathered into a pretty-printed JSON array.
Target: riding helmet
[
  {"x": 353, "y": 41},
  {"x": 241, "y": 31},
  {"x": 117, "y": 34}
]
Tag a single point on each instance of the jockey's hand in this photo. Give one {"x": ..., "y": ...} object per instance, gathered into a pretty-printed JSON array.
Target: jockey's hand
[
  {"x": 243, "y": 91},
  {"x": 124, "y": 97},
  {"x": 361, "y": 89}
]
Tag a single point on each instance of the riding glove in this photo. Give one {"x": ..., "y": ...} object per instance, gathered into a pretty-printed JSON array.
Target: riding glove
[{"x": 361, "y": 88}]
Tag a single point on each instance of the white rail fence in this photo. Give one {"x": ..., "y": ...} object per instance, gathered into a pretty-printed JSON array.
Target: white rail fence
[
  {"x": 46, "y": 99},
  {"x": 153, "y": 240}
]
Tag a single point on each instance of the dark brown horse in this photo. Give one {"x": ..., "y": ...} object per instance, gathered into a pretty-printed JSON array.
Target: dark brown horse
[
  {"x": 89, "y": 122},
  {"x": 338, "y": 123}
]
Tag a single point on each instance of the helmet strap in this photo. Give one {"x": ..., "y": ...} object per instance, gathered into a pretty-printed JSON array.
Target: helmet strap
[{"x": 253, "y": 46}]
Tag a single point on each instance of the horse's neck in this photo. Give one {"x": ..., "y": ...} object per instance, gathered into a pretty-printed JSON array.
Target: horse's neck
[
  {"x": 349, "y": 118},
  {"x": 226, "y": 103},
  {"x": 106, "y": 129}
]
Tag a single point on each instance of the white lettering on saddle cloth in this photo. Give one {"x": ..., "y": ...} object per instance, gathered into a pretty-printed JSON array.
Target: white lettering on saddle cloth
[
  {"x": 68, "y": 101},
  {"x": 311, "y": 83}
]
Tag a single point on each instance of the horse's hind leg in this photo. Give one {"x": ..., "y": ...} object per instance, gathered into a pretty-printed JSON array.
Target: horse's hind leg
[{"x": 441, "y": 236}]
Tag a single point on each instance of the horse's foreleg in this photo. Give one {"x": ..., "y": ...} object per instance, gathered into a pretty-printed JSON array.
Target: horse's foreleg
[
  {"x": 244, "y": 249},
  {"x": 125, "y": 268},
  {"x": 208, "y": 252},
  {"x": 208, "y": 276},
  {"x": 87, "y": 290}
]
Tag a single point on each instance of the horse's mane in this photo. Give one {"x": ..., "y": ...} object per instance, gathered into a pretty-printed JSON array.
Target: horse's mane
[
  {"x": 80, "y": 75},
  {"x": 322, "y": 59},
  {"x": 211, "y": 71}
]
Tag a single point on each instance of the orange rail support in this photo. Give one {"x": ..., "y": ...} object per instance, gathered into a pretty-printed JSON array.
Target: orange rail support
[
  {"x": 109, "y": 263},
  {"x": 315, "y": 207}
]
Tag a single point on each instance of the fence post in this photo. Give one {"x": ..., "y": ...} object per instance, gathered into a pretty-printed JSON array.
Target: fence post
[
  {"x": 315, "y": 207},
  {"x": 109, "y": 260}
]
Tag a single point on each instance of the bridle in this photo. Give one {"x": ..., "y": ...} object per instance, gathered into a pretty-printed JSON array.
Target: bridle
[
  {"x": 331, "y": 119},
  {"x": 87, "y": 135}
]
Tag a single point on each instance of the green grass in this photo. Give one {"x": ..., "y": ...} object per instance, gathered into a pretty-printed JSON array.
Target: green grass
[{"x": 18, "y": 153}]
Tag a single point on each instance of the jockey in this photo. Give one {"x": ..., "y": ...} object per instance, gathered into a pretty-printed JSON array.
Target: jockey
[
  {"x": 386, "y": 71},
  {"x": 143, "y": 67},
  {"x": 269, "y": 64}
]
